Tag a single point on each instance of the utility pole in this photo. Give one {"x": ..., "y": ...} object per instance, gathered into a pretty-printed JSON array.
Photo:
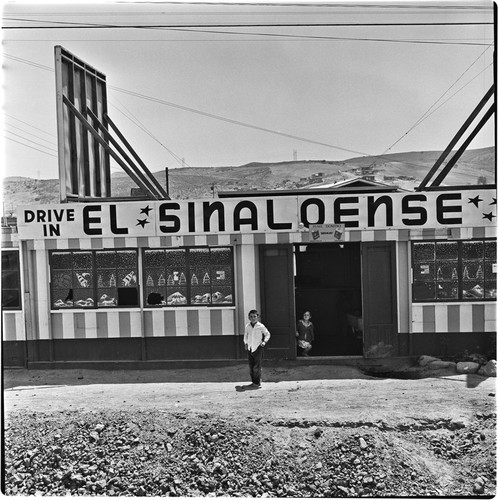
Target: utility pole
[{"x": 295, "y": 154}]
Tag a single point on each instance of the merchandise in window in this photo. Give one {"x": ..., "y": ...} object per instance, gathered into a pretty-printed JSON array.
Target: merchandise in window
[
  {"x": 456, "y": 270},
  {"x": 188, "y": 276},
  {"x": 85, "y": 279},
  {"x": 11, "y": 281}
]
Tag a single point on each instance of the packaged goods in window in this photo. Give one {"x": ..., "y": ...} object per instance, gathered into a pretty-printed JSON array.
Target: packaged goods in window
[
  {"x": 475, "y": 292},
  {"x": 218, "y": 297},
  {"x": 83, "y": 279},
  {"x": 84, "y": 303},
  {"x": 202, "y": 299},
  {"x": 105, "y": 300},
  {"x": 176, "y": 299},
  {"x": 130, "y": 279}
]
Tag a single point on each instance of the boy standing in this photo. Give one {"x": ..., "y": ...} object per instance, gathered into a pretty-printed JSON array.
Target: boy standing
[{"x": 256, "y": 336}]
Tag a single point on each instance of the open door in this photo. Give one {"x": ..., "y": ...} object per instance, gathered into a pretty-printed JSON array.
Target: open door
[
  {"x": 379, "y": 299},
  {"x": 277, "y": 300}
]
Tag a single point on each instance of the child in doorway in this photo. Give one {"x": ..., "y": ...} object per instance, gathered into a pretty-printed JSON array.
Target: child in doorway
[{"x": 305, "y": 334}]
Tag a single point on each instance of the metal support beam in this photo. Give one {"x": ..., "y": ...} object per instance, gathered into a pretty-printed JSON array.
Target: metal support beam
[
  {"x": 456, "y": 138},
  {"x": 437, "y": 181},
  {"x": 135, "y": 155},
  {"x": 104, "y": 144}
]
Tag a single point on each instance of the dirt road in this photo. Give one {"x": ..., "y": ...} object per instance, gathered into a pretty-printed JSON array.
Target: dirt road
[
  {"x": 321, "y": 431},
  {"x": 320, "y": 392}
]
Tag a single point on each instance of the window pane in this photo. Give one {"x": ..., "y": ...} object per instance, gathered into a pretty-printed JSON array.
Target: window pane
[
  {"x": 83, "y": 279},
  {"x": 423, "y": 251},
  {"x": 11, "y": 298},
  {"x": 107, "y": 297},
  {"x": 62, "y": 260},
  {"x": 222, "y": 295},
  {"x": 490, "y": 270},
  {"x": 473, "y": 250},
  {"x": 178, "y": 297},
  {"x": 62, "y": 279},
  {"x": 446, "y": 271},
  {"x": 154, "y": 258},
  {"x": 82, "y": 260},
  {"x": 221, "y": 275},
  {"x": 221, "y": 256},
  {"x": 423, "y": 271},
  {"x": 127, "y": 278},
  {"x": 447, "y": 251},
  {"x": 490, "y": 250},
  {"x": 10, "y": 279},
  {"x": 472, "y": 290},
  {"x": 424, "y": 291},
  {"x": 200, "y": 295},
  {"x": 106, "y": 259},
  {"x": 175, "y": 258},
  {"x": 10, "y": 261},
  {"x": 199, "y": 257},
  {"x": 126, "y": 258},
  {"x": 490, "y": 289},
  {"x": 83, "y": 298},
  {"x": 447, "y": 290},
  {"x": 154, "y": 296},
  {"x": 472, "y": 270}
]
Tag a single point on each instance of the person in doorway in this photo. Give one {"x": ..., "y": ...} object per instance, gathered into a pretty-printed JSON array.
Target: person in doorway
[
  {"x": 256, "y": 336},
  {"x": 305, "y": 334}
]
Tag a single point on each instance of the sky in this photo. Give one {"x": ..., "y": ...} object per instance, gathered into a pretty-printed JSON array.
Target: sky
[{"x": 225, "y": 84}]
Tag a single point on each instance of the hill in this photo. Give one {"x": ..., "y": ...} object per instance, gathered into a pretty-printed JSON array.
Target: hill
[{"x": 405, "y": 170}]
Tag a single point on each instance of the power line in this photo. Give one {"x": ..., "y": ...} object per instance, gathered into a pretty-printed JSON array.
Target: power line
[
  {"x": 26, "y": 123},
  {"x": 29, "y": 140},
  {"x": 75, "y": 25},
  {"x": 429, "y": 112},
  {"x": 31, "y": 147},
  {"x": 29, "y": 133},
  {"x": 232, "y": 121},
  {"x": 140, "y": 125}
]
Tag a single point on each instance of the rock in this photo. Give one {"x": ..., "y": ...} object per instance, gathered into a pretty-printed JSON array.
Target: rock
[
  {"x": 467, "y": 367},
  {"x": 439, "y": 364},
  {"x": 478, "y": 488},
  {"x": 363, "y": 444},
  {"x": 425, "y": 360},
  {"x": 489, "y": 369},
  {"x": 99, "y": 427}
]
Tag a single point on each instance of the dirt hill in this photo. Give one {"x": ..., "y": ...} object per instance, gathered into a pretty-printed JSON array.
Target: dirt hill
[{"x": 405, "y": 170}]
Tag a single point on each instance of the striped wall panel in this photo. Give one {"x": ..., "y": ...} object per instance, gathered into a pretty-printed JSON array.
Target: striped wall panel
[
  {"x": 13, "y": 326},
  {"x": 259, "y": 238},
  {"x": 457, "y": 317},
  {"x": 128, "y": 323},
  {"x": 9, "y": 238}
]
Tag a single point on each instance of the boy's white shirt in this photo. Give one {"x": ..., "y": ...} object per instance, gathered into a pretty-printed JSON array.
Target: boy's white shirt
[{"x": 255, "y": 335}]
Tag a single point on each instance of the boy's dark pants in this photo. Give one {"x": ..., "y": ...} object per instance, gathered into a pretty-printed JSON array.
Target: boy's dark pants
[{"x": 255, "y": 365}]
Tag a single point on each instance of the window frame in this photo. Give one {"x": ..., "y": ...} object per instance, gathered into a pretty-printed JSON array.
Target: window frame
[
  {"x": 17, "y": 272},
  {"x": 94, "y": 279},
  {"x": 188, "y": 270},
  {"x": 460, "y": 268}
]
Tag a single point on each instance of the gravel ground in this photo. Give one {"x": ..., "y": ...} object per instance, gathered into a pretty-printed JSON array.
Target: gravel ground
[
  {"x": 310, "y": 432},
  {"x": 180, "y": 454}
]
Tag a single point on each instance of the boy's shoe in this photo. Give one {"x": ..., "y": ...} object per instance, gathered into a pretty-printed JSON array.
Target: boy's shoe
[{"x": 256, "y": 386}]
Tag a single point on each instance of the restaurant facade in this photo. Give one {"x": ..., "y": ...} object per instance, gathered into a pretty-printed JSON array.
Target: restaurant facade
[{"x": 383, "y": 272}]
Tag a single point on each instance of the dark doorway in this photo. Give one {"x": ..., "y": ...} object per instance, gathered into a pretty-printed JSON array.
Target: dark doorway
[{"x": 328, "y": 284}]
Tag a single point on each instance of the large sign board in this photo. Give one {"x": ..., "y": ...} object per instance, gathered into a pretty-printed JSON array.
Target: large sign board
[
  {"x": 84, "y": 166},
  {"x": 448, "y": 209}
]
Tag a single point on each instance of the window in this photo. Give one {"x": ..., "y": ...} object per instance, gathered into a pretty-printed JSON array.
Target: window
[
  {"x": 455, "y": 270},
  {"x": 106, "y": 278},
  {"x": 11, "y": 280},
  {"x": 188, "y": 276}
]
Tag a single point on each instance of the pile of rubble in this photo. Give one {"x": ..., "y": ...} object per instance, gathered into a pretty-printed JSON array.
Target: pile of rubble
[
  {"x": 182, "y": 454},
  {"x": 478, "y": 365}
]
